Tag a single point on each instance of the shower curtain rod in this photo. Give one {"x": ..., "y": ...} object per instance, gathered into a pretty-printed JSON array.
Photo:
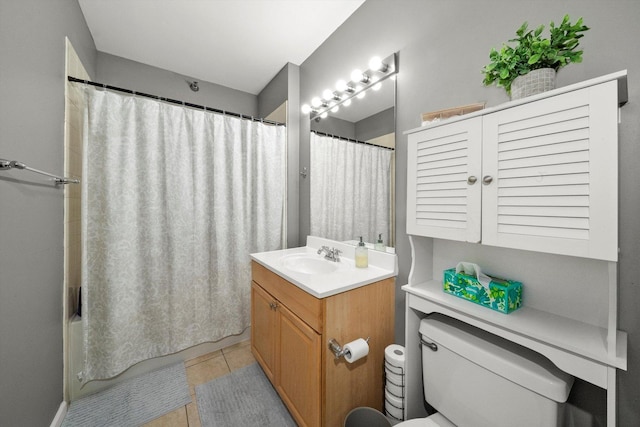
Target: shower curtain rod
[
  {"x": 343, "y": 138},
  {"x": 174, "y": 101}
]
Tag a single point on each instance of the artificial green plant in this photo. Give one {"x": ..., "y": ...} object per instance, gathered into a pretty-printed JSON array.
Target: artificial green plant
[{"x": 532, "y": 52}]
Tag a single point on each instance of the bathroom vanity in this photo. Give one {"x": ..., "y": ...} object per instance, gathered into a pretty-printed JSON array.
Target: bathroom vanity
[
  {"x": 299, "y": 302},
  {"x": 536, "y": 176}
]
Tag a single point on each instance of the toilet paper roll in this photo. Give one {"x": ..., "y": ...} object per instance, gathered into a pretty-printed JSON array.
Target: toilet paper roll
[
  {"x": 355, "y": 350},
  {"x": 393, "y": 400},
  {"x": 394, "y": 406},
  {"x": 393, "y": 377},
  {"x": 395, "y": 356},
  {"x": 394, "y": 389}
]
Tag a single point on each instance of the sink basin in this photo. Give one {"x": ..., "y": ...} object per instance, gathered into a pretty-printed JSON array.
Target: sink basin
[
  {"x": 321, "y": 278},
  {"x": 308, "y": 264}
]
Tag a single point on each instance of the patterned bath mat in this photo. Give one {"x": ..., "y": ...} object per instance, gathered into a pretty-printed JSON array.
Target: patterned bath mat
[
  {"x": 132, "y": 402},
  {"x": 244, "y": 398}
]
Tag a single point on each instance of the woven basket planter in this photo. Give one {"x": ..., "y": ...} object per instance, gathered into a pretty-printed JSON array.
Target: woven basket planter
[{"x": 536, "y": 81}]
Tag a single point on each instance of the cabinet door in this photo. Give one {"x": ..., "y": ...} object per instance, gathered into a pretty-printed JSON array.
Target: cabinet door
[
  {"x": 444, "y": 169},
  {"x": 298, "y": 374},
  {"x": 553, "y": 165},
  {"x": 263, "y": 329}
]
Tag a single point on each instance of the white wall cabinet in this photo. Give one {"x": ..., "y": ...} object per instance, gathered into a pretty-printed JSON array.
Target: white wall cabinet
[
  {"x": 443, "y": 174},
  {"x": 539, "y": 175}
]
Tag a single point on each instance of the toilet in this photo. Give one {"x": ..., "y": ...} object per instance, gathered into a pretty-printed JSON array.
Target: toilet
[{"x": 474, "y": 378}]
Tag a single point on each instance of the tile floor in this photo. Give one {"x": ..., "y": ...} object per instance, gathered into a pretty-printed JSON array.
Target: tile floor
[{"x": 199, "y": 371}]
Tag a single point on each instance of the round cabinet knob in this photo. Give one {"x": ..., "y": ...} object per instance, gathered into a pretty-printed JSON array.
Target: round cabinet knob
[
  {"x": 488, "y": 179},
  {"x": 471, "y": 180}
]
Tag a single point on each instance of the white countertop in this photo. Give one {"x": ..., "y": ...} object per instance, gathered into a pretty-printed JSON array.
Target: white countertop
[{"x": 382, "y": 265}]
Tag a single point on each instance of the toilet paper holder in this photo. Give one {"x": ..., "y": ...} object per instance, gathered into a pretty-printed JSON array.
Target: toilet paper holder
[{"x": 337, "y": 349}]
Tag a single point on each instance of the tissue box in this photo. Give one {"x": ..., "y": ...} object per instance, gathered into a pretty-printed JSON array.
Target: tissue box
[{"x": 504, "y": 296}]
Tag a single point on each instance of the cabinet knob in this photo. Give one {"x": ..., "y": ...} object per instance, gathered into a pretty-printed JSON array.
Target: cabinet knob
[
  {"x": 472, "y": 180},
  {"x": 273, "y": 305},
  {"x": 488, "y": 179}
]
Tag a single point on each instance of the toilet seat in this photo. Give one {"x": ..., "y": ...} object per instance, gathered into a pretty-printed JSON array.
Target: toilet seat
[{"x": 435, "y": 420}]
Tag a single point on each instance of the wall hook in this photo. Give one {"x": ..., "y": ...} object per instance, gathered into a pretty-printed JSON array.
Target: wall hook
[{"x": 304, "y": 172}]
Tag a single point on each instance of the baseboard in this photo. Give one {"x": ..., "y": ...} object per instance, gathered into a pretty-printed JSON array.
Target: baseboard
[{"x": 62, "y": 412}]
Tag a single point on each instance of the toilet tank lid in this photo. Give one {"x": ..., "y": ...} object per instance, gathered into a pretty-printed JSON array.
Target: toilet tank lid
[{"x": 512, "y": 361}]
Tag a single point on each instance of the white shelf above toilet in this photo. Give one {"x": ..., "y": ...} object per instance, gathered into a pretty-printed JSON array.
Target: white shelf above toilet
[{"x": 575, "y": 347}]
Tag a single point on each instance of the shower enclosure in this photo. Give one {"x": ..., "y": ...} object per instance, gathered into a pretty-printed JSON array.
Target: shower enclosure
[{"x": 174, "y": 199}]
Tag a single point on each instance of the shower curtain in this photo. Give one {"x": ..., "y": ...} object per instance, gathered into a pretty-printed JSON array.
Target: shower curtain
[
  {"x": 173, "y": 202},
  {"x": 349, "y": 189}
]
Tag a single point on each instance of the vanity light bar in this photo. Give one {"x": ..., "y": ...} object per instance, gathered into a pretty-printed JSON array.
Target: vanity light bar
[{"x": 378, "y": 71}]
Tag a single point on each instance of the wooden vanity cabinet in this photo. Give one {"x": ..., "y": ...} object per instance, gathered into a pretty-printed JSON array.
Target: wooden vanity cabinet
[
  {"x": 290, "y": 332},
  {"x": 263, "y": 329}
]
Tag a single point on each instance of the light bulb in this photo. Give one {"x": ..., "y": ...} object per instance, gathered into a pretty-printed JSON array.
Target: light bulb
[
  {"x": 357, "y": 75},
  {"x": 327, "y": 94},
  {"x": 360, "y": 95},
  {"x": 316, "y": 102},
  {"x": 375, "y": 63},
  {"x": 335, "y": 109},
  {"x": 306, "y": 109},
  {"x": 341, "y": 86},
  {"x": 347, "y": 102},
  {"x": 377, "y": 86},
  {"x": 324, "y": 115}
]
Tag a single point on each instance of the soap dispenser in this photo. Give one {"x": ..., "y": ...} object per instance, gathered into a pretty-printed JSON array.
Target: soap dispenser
[
  {"x": 379, "y": 246},
  {"x": 362, "y": 255}
]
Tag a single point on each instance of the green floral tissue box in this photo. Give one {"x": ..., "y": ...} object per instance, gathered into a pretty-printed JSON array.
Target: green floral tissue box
[{"x": 504, "y": 296}]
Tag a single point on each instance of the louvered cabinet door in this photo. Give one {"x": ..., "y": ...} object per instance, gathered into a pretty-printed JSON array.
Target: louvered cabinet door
[
  {"x": 552, "y": 167},
  {"x": 443, "y": 181}
]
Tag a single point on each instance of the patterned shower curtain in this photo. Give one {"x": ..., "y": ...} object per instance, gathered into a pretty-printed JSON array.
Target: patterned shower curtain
[
  {"x": 349, "y": 189},
  {"x": 173, "y": 202}
]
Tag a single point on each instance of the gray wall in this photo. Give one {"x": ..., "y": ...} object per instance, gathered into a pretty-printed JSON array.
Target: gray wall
[
  {"x": 274, "y": 93},
  {"x": 293, "y": 155},
  {"x": 335, "y": 126},
  {"x": 376, "y": 125},
  {"x": 379, "y": 124},
  {"x": 127, "y": 74},
  {"x": 442, "y": 47},
  {"x": 285, "y": 86},
  {"x": 32, "y": 81}
]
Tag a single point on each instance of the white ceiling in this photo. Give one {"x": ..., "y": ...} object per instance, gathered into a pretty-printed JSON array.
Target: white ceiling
[{"x": 241, "y": 44}]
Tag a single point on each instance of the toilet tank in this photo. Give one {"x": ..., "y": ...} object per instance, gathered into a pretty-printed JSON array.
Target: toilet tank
[{"x": 478, "y": 379}]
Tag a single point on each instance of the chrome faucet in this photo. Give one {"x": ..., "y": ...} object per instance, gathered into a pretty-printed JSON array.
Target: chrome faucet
[{"x": 332, "y": 254}]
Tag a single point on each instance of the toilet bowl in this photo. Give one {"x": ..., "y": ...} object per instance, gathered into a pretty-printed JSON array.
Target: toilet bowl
[
  {"x": 435, "y": 420},
  {"x": 474, "y": 378}
]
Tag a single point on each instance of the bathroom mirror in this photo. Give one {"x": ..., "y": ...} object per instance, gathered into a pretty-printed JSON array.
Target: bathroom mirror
[{"x": 352, "y": 182}]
